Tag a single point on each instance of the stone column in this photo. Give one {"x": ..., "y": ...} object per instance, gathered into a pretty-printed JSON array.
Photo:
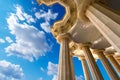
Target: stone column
[
  {"x": 85, "y": 68},
  {"x": 113, "y": 62},
  {"x": 91, "y": 62},
  {"x": 72, "y": 67},
  {"x": 117, "y": 58},
  {"x": 111, "y": 72},
  {"x": 107, "y": 22},
  {"x": 64, "y": 68}
]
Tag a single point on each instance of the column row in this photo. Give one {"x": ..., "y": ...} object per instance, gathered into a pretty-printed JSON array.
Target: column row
[
  {"x": 93, "y": 67},
  {"x": 66, "y": 71}
]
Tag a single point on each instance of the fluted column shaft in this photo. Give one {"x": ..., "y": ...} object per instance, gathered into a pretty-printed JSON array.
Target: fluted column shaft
[
  {"x": 85, "y": 69},
  {"x": 72, "y": 68},
  {"x": 111, "y": 72},
  {"x": 114, "y": 63},
  {"x": 64, "y": 71},
  {"x": 118, "y": 60},
  {"x": 91, "y": 62},
  {"x": 107, "y": 22}
]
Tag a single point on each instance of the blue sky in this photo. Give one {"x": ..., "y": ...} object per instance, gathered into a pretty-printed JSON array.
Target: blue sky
[{"x": 28, "y": 51}]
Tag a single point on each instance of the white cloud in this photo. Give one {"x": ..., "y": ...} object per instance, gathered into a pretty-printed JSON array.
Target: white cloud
[
  {"x": 40, "y": 78},
  {"x": 37, "y": 14},
  {"x": 47, "y": 16},
  {"x": 28, "y": 18},
  {"x": 55, "y": 77},
  {"x": 19, "y": 12},
  {"x": 34, "y": 9},
  {"x": 9, "y": 71},
  {"x": 53, "y": 70},
  {"x": 22, "y": 15},
  {"x": 30, "y": 42},
  {"x": 45, "y": 26},
  {"x": 33, "y": 2},
  {"x": 42, "y": 69},
  {"x": 8, "y": 39},
  {"x": 2, "y": 77},
  {"x": 2, "y": 40},
  {"x": 81, "y": 77}
]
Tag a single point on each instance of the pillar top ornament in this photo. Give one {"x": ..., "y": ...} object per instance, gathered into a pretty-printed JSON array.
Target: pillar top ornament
[
  {"x": 96, "y": 51},
  {"x": 73, "y": 46},
  {"x": 81, "y": 45},
  {"x": 72, "y": 54},
  {"x": 117, "y": 56},
  {"x": 63, "y": 36},
  {"x": 81, "y": 57},
  {"x": 109, "y": 53}
]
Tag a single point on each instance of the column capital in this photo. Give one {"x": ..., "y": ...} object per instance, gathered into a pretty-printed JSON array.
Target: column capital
[
  {"x": 63, "y": 36},
  {"x": 81, "y": 57},
  {"x": 118, "y": 60},
  {"x": 72, "y": 54},
  {"x": 96, "y": 51},
  {"x": 117, "y": 56},
  {"x": 82, "y": 9},
  {"x": 107, "y": 54},
  {"x": 81, "y": 45},
  {"x": 73, "y": 46}
]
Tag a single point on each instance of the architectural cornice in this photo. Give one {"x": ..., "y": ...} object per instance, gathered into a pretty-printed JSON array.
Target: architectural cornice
[{"x": 69, "y": 18}]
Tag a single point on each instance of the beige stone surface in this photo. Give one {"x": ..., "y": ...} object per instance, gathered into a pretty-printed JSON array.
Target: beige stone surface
[
  {"x": 114, "y": 63},
  {"x": 65, "y": 67},
  {"x": 91, "y": 62},
  {"x": 104, "y": 20},
  {"x": 111, "y": 72},
  {"x": 85, "y": 67}
]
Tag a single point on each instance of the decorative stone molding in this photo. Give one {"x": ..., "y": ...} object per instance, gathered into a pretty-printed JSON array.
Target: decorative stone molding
[
  {"x": 63, "y": 36},
  {"x": 82, "y": 9},
  {"x": 73, "y": 46},
  {"x": 107, "y": 54},
  {"x": 81, "y": 45},
  {"x": 96, "y": 51},
  {"x": 68, "y": 20},
  {"x": 117, "y": 56},
  {"x": 81, "y": 57}
]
